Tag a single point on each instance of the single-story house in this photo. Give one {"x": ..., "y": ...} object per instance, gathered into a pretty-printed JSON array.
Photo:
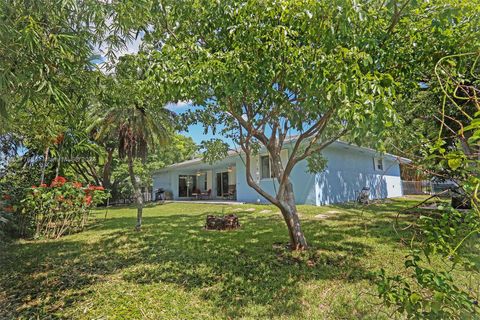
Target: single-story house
[{"x": 349, "y": 169}]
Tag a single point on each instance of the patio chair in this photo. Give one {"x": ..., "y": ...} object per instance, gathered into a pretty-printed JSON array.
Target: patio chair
[
  {"x": 363, "y": 195},
  {"x": 206, "y": 194},
  {"x": 196, "y": 193},
  {"x": 232, "y": 192}
]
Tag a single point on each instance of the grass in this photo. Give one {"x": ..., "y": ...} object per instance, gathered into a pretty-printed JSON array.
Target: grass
[{"x": 174, "y": 269}]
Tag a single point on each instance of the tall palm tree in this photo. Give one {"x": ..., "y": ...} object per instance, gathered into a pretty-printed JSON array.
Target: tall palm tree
[
  {"x": 132, "y": 113},
  {"x": 137, "y": 129}
]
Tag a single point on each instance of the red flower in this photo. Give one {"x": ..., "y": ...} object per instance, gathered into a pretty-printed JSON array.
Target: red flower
[
  {"x": 34, "y": 187},
  {"x": 88, "y": 200},
  {"x": 77, "y": 184},
  {"x": 7, "y": 197},
  {"x": 99, "y": 188},
  {"x": 60, "y": 198},
  {"x": 58, "y": 181},
  {"x": 8, "y": 209},
  {"x": 43, "y": 185}
]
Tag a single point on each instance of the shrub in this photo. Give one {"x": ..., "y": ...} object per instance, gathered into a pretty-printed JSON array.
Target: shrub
[
  {"x": 60, "y": 208},
  {"x": 16, "y": 177}
]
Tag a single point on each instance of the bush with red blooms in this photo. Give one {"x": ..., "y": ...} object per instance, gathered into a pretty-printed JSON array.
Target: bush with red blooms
[{"x": 60, "y": 208}]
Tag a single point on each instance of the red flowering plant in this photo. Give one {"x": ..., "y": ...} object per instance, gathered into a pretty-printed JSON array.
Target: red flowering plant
[{"x": 62, "y": 207}]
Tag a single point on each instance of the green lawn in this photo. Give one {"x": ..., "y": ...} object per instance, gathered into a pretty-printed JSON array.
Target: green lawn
[{"x": 174, "y": 269}]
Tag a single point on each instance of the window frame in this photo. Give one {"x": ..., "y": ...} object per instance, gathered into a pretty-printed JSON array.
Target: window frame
[
  {"x": 378, "y": 164},
  {"x": 269, "y": 175}
]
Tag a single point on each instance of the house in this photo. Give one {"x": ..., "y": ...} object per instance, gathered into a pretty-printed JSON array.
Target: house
[{"x": 349, "y": 169}]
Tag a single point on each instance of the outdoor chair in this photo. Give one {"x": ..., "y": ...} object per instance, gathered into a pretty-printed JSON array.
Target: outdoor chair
[
  {"x": 206, "y": 194},
  {"x": 160, "y": 195},
  {"x": 363, "y": 195},
  {"x": 232, "y": 192},
  {"x": 196, "y": 193}
]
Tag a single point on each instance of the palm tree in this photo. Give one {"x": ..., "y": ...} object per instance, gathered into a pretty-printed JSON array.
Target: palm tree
[
  {"x": 137, "y": 129},
  {"x": 132, "y": 113}
]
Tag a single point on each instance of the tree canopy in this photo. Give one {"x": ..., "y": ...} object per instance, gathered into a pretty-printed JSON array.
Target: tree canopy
[{"x": 321, "y": 71}]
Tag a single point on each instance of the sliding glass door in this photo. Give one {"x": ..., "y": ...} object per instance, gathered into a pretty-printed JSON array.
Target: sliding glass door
[
  {"x": 222, "y": 183},
  {"x": 186, "y": 185}
]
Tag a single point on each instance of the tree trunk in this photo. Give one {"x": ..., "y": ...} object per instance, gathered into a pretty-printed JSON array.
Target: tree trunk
[
  {"x": 107, "y": 169},
  {"x": 289, "y": 211},
  {"x": 44, "y": 166},
  {"x": 286, "y": 204},
  {"x": 57, "y": 169},
  {"x": 137, "y": 192}
]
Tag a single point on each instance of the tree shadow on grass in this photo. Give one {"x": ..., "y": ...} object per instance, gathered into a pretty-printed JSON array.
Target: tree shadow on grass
[{"x": 232, "y": 269}]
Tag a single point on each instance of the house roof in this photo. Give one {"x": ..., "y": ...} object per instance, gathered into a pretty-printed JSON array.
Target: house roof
[{"x": 346, "y": 145}]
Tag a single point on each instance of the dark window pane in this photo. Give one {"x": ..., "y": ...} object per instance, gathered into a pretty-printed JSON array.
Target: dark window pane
[
  {"x": 219, "y": 184},
  {"x": 224, "y": 183},
  {"x": 380, "y": 164},
  {"x": 265, "y": 167},
  {"x": 186, "y": 185}
]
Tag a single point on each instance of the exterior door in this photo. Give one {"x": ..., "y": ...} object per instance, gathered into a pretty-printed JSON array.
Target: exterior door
[
  {"x": 186, "y": 185},
  {"x": 222, "y": 183}
]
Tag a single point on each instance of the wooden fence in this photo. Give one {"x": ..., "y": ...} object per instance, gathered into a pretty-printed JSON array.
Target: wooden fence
[
  {"x": 425, "y": 187},
  {"x": 147, "y": 197}
]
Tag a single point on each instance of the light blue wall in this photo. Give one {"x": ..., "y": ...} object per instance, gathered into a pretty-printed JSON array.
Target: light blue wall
[
  {"x": 303, "y": 185},
  {"x": 349, "y": 169}
]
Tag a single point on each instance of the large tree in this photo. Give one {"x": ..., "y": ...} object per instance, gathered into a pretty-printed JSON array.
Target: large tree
[
  {"x": 266, "y": 70},
  {"x": 47, "y": 78}
]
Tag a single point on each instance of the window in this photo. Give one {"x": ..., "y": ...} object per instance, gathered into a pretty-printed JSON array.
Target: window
[
  {"x": 222, "y": 183},
  {"x": 378, "y": 164},
  {"x": 265, "y": 167}
]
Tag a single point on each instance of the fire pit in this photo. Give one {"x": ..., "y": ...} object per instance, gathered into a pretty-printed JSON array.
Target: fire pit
[{"x": 227, "y": 222}]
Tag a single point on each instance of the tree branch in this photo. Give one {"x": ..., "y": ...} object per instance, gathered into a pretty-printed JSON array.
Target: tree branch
[{"x": 250, "y": 181}]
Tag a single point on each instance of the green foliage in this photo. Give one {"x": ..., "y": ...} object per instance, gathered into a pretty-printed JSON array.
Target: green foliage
[
  {"x": 449, "y": 234},
  {"x": 16, "y": 179},
  {"x": 292, "y": 60},
  {"x": 215, "y": 150},
  {"x": 180, "y": 148},
  {"x": 438, "y": 297},
  {"x": 131, "y": 112},
  {"x": 316, "y": 163},
  {"x": 432, "y": 291}
]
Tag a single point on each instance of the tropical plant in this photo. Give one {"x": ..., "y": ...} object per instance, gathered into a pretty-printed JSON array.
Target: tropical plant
[
  {"x": 16, "y": 178},
  {"x": 430, "y": 291},
  {"x": 59, "y": 208}
]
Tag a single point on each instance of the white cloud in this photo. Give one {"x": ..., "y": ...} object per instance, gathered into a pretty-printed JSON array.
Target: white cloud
[
  {"x": 180, "y": 105},
  {"x": 131, "y": 46}
]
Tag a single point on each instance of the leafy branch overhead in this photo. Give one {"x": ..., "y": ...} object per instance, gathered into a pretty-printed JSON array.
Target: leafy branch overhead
[{"x": 214, "y": 150}]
